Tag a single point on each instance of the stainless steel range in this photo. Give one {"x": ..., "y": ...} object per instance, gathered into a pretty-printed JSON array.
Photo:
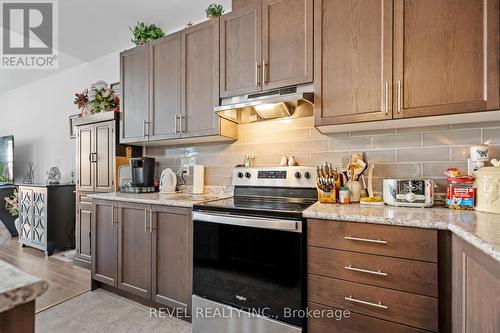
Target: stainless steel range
[{"x": 249, "y": 253}]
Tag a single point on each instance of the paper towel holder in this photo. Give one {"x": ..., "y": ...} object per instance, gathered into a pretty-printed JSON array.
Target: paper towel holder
[{"x": 198, "y": 179}]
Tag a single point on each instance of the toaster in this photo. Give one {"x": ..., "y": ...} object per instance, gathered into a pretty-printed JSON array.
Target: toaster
[{"x": 409, "y": 192}]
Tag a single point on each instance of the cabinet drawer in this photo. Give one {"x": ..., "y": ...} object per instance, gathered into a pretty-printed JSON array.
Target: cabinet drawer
[
  {"x": 393, "y": 241},
  {"x": 83, "y": 199},
  {"x": 397, "y": 306},
  {"x": 400, "y": 274},
  {"x": 354, "y": 324}
]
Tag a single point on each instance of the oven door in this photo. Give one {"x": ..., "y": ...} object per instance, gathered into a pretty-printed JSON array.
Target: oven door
[{"x": 250, "y": 263}]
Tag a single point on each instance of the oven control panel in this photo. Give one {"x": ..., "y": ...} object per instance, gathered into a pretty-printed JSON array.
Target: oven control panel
[{"x": 297, "y": 176}]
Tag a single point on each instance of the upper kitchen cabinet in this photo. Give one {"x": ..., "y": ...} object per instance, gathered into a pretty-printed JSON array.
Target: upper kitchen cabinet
[
  {"x": 287, "y": 49},
  {"x": 446, "y": 57},
  {"x": 353, "y": 61},
  {"x": 166, "y": 88},
  {"x": 258, "y": 51},
  {"x": 200, "y": 85},
  {"x": 170, "y": 88},
  {"x": 240, "y": 51},
  {"x": 134, "y": 78}
]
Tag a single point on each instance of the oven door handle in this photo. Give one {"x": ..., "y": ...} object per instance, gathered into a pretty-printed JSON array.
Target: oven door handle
[{"x": 249, "y": 221}]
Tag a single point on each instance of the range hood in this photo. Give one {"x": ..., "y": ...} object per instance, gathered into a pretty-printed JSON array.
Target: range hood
[{"x": 291, "y": 102}]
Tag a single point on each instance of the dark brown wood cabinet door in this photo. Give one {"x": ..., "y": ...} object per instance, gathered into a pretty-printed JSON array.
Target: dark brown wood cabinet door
[
  {"x": 240, "y": 51},
  {"x": 104, "y": 156},
  {"x": 172, "y": 256},
  {"x": 200, "y": 87},
  {"x": 134, "y": 249},
  {"x": 166, "y": 87},
  {"x": 83, "y": 223},
  {"x": 104, "y": 243},
  {"x": 135, "y": 89},
  {"x": 446, "y": 57},
  {"x": 84, "y": 166},
  {"x": 475, "y": 289},
  {"x": 353, "y": 61},
  {"x": 287, "y": 48}
]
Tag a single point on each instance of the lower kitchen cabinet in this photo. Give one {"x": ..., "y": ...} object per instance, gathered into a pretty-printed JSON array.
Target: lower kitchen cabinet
[
  {"x": 172, "y": 256},
  {"x": 388, "y": 277},
  {"x": 476, "y": 290},
  {"x": 134, "y": 249},
  {"x": 104, "y": 243},
  {"x": 144, "y": 250},
  {"x": 83, "y": 224}
]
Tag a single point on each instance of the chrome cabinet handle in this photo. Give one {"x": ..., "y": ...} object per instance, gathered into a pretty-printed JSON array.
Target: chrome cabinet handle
[
  {"x": 386, "y": 97},
  {"x": 175, "y": 123},
  {"x": 146, "y": 220},
  {"x": 181, "y": 129},
  {"x": 361, "y": 270},
  {"x": 257, "y": 74},
  {"x": 375, "y": 305},
  {"x": 152, "y": 221},
  {"x": 264, "y": 71},
  {"x": 366, "y": 240},
  {"x": 145, "y": 129},
  {"x": 399, "y": 96}
]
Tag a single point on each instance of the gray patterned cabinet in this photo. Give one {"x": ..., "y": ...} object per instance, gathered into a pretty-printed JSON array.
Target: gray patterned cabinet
[{"x": 47, "y": 216}]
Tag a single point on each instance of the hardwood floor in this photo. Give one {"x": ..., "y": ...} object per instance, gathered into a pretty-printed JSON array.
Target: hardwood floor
[{"x": 65, "y": 280}]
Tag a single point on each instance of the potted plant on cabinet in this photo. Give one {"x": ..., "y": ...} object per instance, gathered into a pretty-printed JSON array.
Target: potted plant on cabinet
[
  {"x": 143, "y": 33},
  {"x": 214, "y": 10},
  {"x": 99, "y": 98}
]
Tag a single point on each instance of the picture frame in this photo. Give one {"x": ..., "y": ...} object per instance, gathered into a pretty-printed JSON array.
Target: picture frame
[{"x": 72, "y": 128}]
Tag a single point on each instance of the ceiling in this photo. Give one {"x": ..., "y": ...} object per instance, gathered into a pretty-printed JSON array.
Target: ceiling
[{"x": 90, "y": 29}]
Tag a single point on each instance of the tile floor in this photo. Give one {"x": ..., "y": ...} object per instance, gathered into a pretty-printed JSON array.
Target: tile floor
[{"x": 104, "y": 312}]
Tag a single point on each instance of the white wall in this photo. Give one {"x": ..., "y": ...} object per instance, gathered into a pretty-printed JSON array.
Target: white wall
[{"x": 37, "y": 115}]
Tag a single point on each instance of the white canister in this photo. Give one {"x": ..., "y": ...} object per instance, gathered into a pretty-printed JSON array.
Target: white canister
[
  {"x": 487, "y": 185},
  {"x": 479, "y": 153},
  {"x": 354, "y": 190}
]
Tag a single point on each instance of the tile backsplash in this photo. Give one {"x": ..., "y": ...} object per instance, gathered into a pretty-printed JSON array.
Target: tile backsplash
[{"x": 408, "y": 152}]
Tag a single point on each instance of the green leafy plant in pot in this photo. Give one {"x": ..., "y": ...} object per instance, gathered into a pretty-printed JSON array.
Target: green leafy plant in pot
[
  {"x": 143, "y": 33},
  {"x": 214, "y": 10}
]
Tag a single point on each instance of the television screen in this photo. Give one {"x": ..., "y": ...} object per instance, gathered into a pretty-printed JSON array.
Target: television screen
[{"x": 6, "y": 159}]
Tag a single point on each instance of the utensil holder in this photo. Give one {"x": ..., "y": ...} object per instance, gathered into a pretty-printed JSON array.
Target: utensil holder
[
  {"x": 327, "y": 197},
  {"x": 354, "y": 190}
]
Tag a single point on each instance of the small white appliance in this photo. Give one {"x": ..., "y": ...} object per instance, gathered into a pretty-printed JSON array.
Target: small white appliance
[
  {"x": 409, "y": 192},
  {"x": 168, "y": 181}
]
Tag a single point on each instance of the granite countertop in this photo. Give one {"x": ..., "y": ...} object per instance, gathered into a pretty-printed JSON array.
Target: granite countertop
[
  {"x": 479, "y": 229},
  {"x": 18, "y": 287},
  {"x": 166, "y": 199}
]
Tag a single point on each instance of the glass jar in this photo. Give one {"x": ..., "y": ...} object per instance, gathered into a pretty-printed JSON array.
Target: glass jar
[{"x": 461, "y": 193}]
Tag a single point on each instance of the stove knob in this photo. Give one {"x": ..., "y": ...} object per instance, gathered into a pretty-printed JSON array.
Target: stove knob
[
  {"x": 298, "y": 175},
  {"x": 248, "y": 174},
  {"x": 240, "y": 174},
  {"x": 307, "y": 175}
]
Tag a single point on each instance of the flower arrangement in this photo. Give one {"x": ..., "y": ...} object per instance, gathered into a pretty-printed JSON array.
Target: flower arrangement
[
  {"x": 99, "y": 98},
  {"x": 12, "y": 204},
  {"x": 214, "y": 10},
  {"x": 143, "y": 33}
]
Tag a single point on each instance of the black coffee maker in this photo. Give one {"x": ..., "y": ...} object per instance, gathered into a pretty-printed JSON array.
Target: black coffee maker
[{"x": 143, "y": 171}]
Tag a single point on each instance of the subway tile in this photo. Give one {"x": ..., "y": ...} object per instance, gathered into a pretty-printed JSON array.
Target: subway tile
[
  {"x": 380, "y": 156},
  {"x": 421, "y": 129},
  {"x": 265, "y": 159},
  {"x": 278, "y": 147},
  {"x": 310, "y": 146},
  {"x": 293, "y": 135},
  {"x": 338, "y": 159},
  {"x": 315, "y": 134},
  {"x": 225, "y": 181},
  {"x": 395, "y": 141},
  {"x": 212, "y": 180},
  {"x": 460, "y": 153},
  {"x": 231, "y": 160},
  {"x": 477, "y": 125},
  {"x": 437, "y": 169},
  {"x": 218, "y": 171},
  {"x": 458, "y": 137},
  {"x": 246, "y": 148},
  {"x": 373, "y": 132},
  {"x": 423, "y": 154},
  {"x": 301, "y": 158},
  {"x": 397, "y": 170},
  {"x": 341, "y": 143},
  {"x": 491, "y": 136}
]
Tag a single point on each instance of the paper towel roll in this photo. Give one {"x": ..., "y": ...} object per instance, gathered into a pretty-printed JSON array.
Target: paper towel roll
[{"x": 198, "y": 179}]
